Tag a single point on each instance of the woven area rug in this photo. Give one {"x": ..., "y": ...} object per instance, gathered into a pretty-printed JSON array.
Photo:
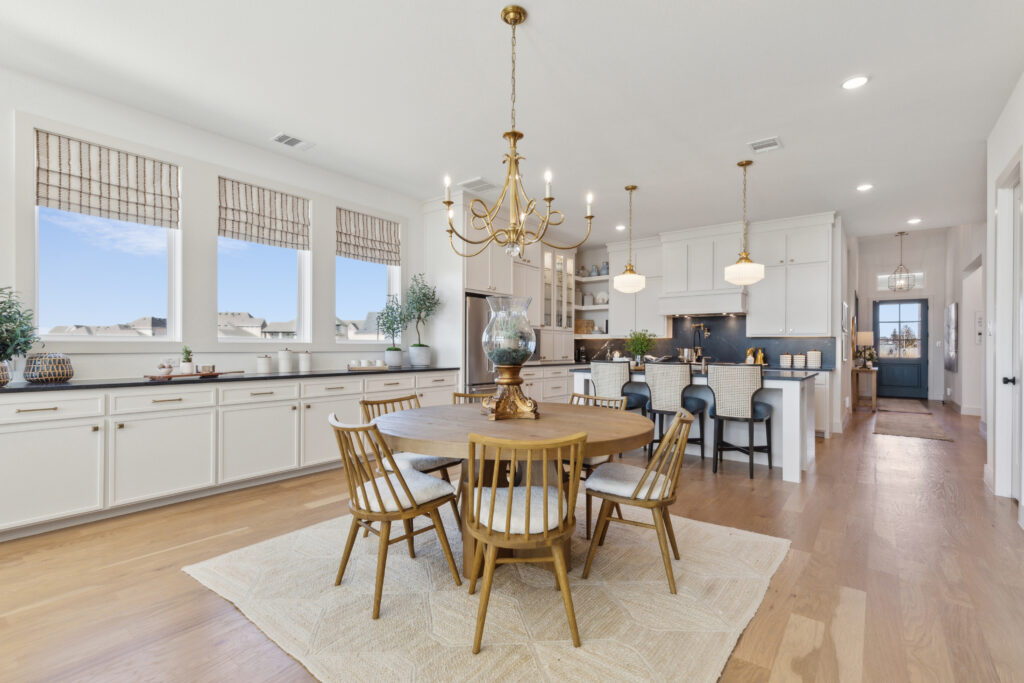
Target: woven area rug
[
  {"x": 903, "y": 405},
  {"x": 921, "y": 426},
  {"x": 631, "y": 627}
]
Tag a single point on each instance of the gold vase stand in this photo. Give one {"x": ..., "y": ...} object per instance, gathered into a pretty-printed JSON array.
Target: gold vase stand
[{"x": 510, "y": 403}]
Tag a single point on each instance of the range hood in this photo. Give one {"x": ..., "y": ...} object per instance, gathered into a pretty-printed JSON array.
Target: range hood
[{"x": 709, "y": 302}]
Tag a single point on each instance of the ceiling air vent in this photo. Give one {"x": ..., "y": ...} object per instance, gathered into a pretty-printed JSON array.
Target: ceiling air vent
[
  {"x": 766, "y": 145},
  {"x": 477, "y": 185},
  {"x": 291, "y": 141}
]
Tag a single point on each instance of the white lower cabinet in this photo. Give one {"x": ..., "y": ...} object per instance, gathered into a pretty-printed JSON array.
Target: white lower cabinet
[
  {"x": 434, "y": 397},
  {"x": 161, "y": 454},
  {"x": 50, "y": 470},
  {"x": 258, "y": 439},
  {"x": 318, "y": 441}
]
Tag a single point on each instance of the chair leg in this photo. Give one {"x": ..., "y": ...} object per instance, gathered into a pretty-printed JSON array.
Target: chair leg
[
  {"x": 659, "y": 526},
  {"x": 407, "y": 523},
  {"x": 474, "y": 573},
  {"x": 602, "y": 521},
  {"x": 558, "y": 554},
  {"x": 455, "y": 507},
  {"x": 589, "y": 500},
  {"x": 750, "y": 441},
  {"x": 348, "y": 550},
  {"x": 768, "y": 439},
  {"x": 382, "y": 560},
  {"x": 671, "y": 534},
  {"x": 485, "y": 594},
  {"x": 435, "y": 516}
]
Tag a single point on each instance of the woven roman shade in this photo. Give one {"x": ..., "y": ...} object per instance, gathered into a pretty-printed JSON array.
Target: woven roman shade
[
  {"x": 74, "y": 175},
  {"x": 261, "y": 215},
  {"x": 368, "y": 238}
]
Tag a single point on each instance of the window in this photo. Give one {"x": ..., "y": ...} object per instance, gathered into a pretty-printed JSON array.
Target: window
[
  {"x": 107, "y": 236},
  {"x": 262, "y": 264},
  {"x": 883, "y": 281},
  {"x": 366, "y": 271},
  {"x": 899, "y": 330}
]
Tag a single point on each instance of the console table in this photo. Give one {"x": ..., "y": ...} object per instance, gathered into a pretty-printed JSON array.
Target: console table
[{"x": 871, "y": 374}]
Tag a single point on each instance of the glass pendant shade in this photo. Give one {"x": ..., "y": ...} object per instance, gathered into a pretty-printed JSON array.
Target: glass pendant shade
[
  {"x": 744, "y": 272},
  {"x": 629, "y": 281}
]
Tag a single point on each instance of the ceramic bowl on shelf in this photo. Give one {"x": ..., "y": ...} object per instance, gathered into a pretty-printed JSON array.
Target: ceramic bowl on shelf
[{"x": 601, "y": 298}]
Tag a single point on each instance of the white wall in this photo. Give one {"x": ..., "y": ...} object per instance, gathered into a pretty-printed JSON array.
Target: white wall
[
  {"x": 923, "y": 251},
  {"x": 1004, "y": 147},
  {"x": 969, "y": 387},
  {"x": 965, "y": 247},
  {"x": 26, "y": 101}
]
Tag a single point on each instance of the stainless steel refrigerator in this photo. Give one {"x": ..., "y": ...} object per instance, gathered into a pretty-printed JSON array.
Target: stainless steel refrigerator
[{"x": 479, "y": 370}]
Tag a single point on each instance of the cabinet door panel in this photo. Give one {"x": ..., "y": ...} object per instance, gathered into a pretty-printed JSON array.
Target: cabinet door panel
[
  {"x": 501, "y": 270},
  {"x": 807, "y": 291},
  {"x": 673, "y": 267},
  {"x": 564, "y": 349},
  {"x": 49, "y": 471},
  {"x": 526, "y": 282},
  {"x": 160, "y": 455},
  {"x": 647, "y": 315},
  {"x": 435, "y": 397},
  {"x": 807, "y": 245},
  {"x": 727, "y": 249},
  {"x": 478, "y": 272},
  {"x": 318, "y": 441},
  {"x": 258, "y": 440},
  {"x": 548, "y": 344},
  {"x": 766, "y": 304},
  {"x": 700, "y": 265},
  {"x": 767, "y": 247}
]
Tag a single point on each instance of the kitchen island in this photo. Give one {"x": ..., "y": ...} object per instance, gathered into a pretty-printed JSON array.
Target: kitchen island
[{"x": 791, "y": 395}]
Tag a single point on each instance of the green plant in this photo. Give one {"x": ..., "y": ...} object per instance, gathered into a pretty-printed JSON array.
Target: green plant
[
  {"x": 421, "y": 302},
  {"x": 17, "y": 329},
  {"x": 639, "y": 343},
  {"x": 392, "y": 320},
  {"x": 186, "y": 354}
]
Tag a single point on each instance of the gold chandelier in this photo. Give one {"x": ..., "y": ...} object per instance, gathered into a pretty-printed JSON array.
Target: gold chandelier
[
  {"x": 744, "y": 271},
  {"x": 526, "y": 224}
]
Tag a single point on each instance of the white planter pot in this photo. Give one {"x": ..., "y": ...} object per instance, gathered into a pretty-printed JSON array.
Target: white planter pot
[
  {"x": 186, "y": 368},
  {"x": 419, "y": 356},
  {"x": 393, "y": 359}
]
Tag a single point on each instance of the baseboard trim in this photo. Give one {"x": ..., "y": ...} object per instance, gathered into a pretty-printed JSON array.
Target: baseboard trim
[
  {"x": 54, "y": 525},
  {"x": 983, "y": 429}
]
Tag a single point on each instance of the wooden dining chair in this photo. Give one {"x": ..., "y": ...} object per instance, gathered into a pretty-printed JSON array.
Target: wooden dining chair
[
  {"x": 592, "y": 461},
  {"x": 381, "y": 491},
  {"x": 537, "y": 513},
  {"x": 653, "y": 488},
  {"x": 415, "y": 461},
  {"x": 459, "y": 398}
]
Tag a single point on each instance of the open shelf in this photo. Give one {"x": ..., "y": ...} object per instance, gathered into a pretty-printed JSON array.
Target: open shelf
[
  {"x": 593, "y": 307},
  {"x": 588, "y": 279}
]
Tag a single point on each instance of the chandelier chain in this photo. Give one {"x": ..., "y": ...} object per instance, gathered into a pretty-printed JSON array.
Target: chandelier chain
[{"x": 513, "y": 77}]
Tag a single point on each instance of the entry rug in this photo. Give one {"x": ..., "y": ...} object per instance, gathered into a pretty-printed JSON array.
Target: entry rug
[
  {"x": 903, "y": 405},
  {"x": 910, "y": 424},
  {"x": 631, "y": 627}
]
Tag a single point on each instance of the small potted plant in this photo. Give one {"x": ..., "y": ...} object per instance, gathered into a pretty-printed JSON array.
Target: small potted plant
[
  {"x": 17, "y": 332},
  {"x": 187, "y": 367},
  {"x": 391, "y": 321},
  {"x": 639, "y": 343},
  {"x": 421, "y": 302}
]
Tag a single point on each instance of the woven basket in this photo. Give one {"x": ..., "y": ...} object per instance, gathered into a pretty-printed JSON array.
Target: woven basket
[{"x": 42, "y": 368}]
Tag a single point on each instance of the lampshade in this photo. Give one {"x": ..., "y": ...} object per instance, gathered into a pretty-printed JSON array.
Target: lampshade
[
  {"x": 866, "y": 338},
  {"x": 744, "y": 272},
  {"x": 629, "y": 282}
]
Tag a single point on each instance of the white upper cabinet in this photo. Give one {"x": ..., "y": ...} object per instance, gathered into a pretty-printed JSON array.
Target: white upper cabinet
[
  {"x": 490, "y": 272},
  {"x": 526, "y": 283},
  {"x": 766, "y": 304},
  {"x": 627, "y": 312}
]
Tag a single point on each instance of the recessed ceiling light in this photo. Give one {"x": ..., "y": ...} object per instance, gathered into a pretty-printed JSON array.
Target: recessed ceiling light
[
  {"x": 914, "y": 221},
  {"x": 620, "y": 228},
  {"x": 864, "y": 187},
  {"x": 854, "y": 82}
]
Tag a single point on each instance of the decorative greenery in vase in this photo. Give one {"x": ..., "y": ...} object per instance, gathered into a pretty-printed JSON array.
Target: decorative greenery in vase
[
  {"x": 421, "y": 302},
  {"x": 17, "y": 330},
  {"x": 866, "y": 354},
  {"x": 639, "y": 343},
  {"x": 186, "y": 354},
  {"x": 392, "y": 320}
]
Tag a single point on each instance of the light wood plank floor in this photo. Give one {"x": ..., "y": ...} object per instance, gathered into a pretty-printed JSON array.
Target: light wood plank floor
[{"x": 902, "y": 567}]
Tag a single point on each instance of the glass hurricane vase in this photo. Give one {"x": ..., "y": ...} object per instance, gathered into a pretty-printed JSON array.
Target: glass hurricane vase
[{"x": 509, "y": 341}]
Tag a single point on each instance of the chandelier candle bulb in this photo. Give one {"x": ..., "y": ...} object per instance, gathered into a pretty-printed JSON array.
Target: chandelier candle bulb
[
  {"x": 547, "y": 184},
  {"x": 447, "y": 189},
  {"x": 590, "y": 201}
]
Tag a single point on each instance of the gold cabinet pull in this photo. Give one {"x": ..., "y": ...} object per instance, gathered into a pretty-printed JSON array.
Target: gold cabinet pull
[
  {"x": 295, "y": 407},
  {"x": 391, "y": 384},
  {"x": 95, "y": 428},
  {"x": 440, "y": 379},
  {"x": 35, "y": 410},
  {"x": 261, "y": 393},
  {"x": 120, "y": 425},
  {"x": 334, "y": 388},
  {"x": 308, "y": 406},
  {"x": 168, "y": 400}
]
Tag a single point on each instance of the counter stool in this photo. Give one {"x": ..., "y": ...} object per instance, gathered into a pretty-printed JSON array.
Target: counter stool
[
  {"x": 611, "y": 378},
  {"x": 734, "y": 388},
  {"x": 667, "y": 383}
]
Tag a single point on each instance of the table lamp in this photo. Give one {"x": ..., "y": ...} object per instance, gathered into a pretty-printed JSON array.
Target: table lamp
[{"x": 866, "y": 338}]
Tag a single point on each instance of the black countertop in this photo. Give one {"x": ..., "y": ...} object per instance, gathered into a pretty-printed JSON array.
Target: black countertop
[
  {"x": 22, "y": 386},
  {"x": 769, "y": 373}
]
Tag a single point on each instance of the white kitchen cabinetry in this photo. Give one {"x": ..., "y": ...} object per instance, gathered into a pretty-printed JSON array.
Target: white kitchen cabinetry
[
  {"x": 434, "y": 397},
  {"x": 766, "y": 303},
  {"x": 640, "y": 311},
  {"x": 526, "y": 283},
  {"x": 258, "y": 439},
  {"x": 489, "y": 272},
  {"x": 318, "y": 442},
  {"x": 556, "y": 345},
  {"x": 558, "y": 289},
  {"x": 161, "y": 454},
  {"x": 822, "y": 403},
  {"x": 50, "y": 470}
]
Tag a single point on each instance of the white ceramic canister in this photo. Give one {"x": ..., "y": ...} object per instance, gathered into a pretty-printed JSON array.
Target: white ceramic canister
[
  {"x": 263, "y": 365},
  {"x": 305, "y": 361},
  {"x": 285, "y": 360}
]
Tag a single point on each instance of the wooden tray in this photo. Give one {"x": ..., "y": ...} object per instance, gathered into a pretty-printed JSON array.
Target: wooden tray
[
  {"x": 368, "y": 368},
  {"x": 167, "y": 378}
]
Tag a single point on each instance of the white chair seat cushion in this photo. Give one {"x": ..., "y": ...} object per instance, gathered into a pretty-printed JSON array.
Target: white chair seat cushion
[
  {"x": 518, "y": 515},
  {"x": 617, "y": 479},
  {"x": 595, "y": 460},
  {"x": 420, "y": 462},
  {"x": 424, "y": 488}
]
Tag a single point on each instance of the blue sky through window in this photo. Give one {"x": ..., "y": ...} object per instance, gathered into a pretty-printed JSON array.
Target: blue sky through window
[
  {"x": 360, "y": 287},
  {"x": 99, "y": 271},
  {"x": 257, "y": 279}
]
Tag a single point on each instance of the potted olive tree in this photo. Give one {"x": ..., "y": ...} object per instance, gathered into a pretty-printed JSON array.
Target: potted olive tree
[
  {"x": 391, "y": 321},
  {"x": 17, "y": 332},
  {"x": 421, "y": 302}
]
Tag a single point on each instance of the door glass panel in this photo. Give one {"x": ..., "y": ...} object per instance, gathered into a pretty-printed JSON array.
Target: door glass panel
[
  {"x": 910, "y": 312},
  {"x": 885, "y": 330},
  {"x": 888, "y": 312}
]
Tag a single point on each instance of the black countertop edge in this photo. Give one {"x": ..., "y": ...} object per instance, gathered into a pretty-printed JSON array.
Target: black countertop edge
[
  {"x": 769, "y": 373},
  {"x": 21, "y": 386}
]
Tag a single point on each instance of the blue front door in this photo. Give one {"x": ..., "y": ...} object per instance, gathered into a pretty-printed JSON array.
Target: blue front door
[{"x": 901, "y": 331}]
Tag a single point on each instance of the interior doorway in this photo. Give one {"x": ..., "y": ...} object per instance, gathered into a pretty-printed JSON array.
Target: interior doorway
[
  {"x": 1016, "y": 482},
  {"x": 901, "y": 328}
]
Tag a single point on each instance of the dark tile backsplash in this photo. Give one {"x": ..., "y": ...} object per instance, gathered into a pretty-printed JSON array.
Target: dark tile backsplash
[{"x": 728, "y": 342}]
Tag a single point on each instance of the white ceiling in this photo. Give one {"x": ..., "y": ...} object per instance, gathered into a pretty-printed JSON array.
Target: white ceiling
[{"x": 661, "y": 94}]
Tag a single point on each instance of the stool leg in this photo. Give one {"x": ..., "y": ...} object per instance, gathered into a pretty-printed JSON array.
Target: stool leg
[
  {"x": 768, "y": 436},
  {"x": 750, "y": 440},
  {"x": 718, "y": 446},
  {"x": 700, "y": 419}
]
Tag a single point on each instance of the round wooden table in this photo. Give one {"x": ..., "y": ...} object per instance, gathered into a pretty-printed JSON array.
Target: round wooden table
[{"x": 444, "y": 431}]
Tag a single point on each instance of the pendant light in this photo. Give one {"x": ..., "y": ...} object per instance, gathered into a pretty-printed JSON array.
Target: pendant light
[
  {"x": 901, "y": 280},
  {"x": 630, "y": 281},
  {"x": 744, "y": 271}
]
